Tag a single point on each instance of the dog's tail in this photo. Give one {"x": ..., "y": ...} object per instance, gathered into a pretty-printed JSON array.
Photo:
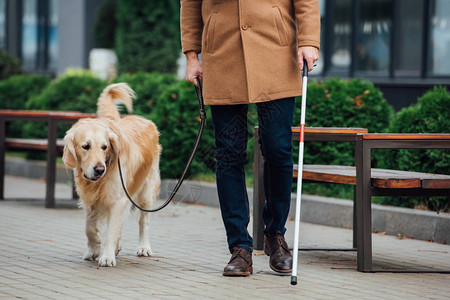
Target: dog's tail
[{"x": 106, "y": 107}]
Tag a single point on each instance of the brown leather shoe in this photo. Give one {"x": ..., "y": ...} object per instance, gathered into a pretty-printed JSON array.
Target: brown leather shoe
[
  {"x": 276, "y": 247},
  {"x": 240, "y": 263}
]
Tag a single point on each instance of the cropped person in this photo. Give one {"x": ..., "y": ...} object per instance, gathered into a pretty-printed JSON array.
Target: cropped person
[{"x": 251, "y": 52}]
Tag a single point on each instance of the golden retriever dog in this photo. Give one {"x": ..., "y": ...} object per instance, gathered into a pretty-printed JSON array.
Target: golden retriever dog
[{"x": 92, "y": 149}]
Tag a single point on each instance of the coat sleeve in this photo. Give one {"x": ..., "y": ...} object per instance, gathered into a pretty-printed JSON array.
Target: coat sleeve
[
  {"x": 308, "y": 18},
  {"x": 191, "y": 25}
]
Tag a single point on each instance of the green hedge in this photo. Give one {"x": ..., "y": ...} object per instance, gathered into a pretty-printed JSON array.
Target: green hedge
[
  {"x": 340, "y": 103},
  {"x": 106, "y": 24},
  {"x": 9, "y": 66},
  {"x": 177, "y": 116},
  {"x": 148, "y": 88},
  {"x": 431, "y": 114},
  {"x": 72, "y": 92},
  {"x": 15, "y": 92},
  {"x": 172, "y": 105},
  {"x": 147, "y": 36},
  {"x": 77, "y": 92}
]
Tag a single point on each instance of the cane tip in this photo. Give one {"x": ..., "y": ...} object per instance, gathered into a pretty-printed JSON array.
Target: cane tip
[{"x": 293, "y": 280}]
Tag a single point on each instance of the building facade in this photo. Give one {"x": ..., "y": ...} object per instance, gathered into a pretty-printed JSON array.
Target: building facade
[
  {"x": 48, "y": 36},
  {"x": 403, "y": 46}
]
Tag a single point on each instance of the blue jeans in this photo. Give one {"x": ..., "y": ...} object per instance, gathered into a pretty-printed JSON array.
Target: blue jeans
[{"x": 275, "y": 139}]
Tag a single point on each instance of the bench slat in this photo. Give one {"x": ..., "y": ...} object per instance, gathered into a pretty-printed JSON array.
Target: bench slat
[
  {"x": 325, "y": 173},
  {"x": 32, "y": 114},
  {"x": 381, "y": 178},
  {"x": 395, "y": 183},
  {"x": 433, "y": 184},
  {"x": 335, "y": 130},
  {"x": 24, "y": 113},
  {"x": 31, "y": 144},
  {"x": 406, "y": 136}
]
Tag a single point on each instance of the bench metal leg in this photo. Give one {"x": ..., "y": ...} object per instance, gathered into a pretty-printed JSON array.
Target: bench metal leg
[
  {"x": 51, "y": 164},
  {"x": 258, "y": 197},
  {"x": 2, "y": 157},
  {"x": 355, "y": 225},
  {"x": 363, "y": 207}
]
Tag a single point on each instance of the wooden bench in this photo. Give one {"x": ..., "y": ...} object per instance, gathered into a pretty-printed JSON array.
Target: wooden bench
[
  {"x": 318, "y": 134},
  {"x": 51, "y": 145},
  {"x": 391, "y": 183},
  {"x": 368, "y": 181}
]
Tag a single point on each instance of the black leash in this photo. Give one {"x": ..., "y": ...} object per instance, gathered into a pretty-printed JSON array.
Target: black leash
[{"x": 201, "y": 105}]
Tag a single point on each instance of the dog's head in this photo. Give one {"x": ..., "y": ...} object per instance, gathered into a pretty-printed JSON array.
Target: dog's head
[{"x": 91, "y": 146}]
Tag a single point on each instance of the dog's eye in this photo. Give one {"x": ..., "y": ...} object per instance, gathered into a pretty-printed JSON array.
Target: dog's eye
[
  {"x": 104, "y": 147},
  {"x": 86, "y": 147}
]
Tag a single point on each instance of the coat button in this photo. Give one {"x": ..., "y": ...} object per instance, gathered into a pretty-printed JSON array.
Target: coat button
[{"x": 245, "y": 26}]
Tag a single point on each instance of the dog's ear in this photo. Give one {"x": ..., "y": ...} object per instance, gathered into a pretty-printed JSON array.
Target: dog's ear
[
  {"x": 69, "y": 154},
  {"x": 114, "y": 142}
]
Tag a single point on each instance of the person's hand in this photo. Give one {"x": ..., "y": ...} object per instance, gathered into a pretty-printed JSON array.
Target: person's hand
[
  {"x": 308, "y": 53},
  {"x": 194, "y": 68}
]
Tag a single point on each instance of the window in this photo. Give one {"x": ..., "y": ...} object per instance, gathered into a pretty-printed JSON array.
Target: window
[
  {"x": 29, "y": 34},
  {"x": 39, "y": 35},
  {"x": 439, "y": 61},
  {"x": 53, "y": 35},
  {"x": 340, "y": 59},
  {"x": 320, "y": 64},
  {"x": 408, "y": 38},
  {"x": 385, "y": 38},
  {"x": 2, "y": 24},
  {"x": 373, "y": 38}
]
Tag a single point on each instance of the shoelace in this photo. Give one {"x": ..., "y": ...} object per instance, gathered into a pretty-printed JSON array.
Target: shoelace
[
  {"x": 280, "y": 243},
  {"x": 238, "y": 253}
]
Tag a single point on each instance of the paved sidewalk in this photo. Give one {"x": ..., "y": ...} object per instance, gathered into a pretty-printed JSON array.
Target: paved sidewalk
[{"x": 41, "y": 252}]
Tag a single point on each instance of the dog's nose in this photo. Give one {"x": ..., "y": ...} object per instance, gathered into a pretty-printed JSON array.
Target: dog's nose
[{"x": 99, "y": 170}]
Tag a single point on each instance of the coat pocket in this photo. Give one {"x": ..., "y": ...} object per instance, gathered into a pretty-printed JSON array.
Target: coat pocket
[
  {"x": 209, "y": 33},
  {"x": 281, "y": 27}
]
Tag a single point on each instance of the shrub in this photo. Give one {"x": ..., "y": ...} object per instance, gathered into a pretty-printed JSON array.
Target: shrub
[
  {"x": 105, "y": 25},
  {"x": 340, "y": 103},
  {"x": 148, "y": 88},
  {"x": 70, "y": 92},
  {"x": 148, "y": 36},
  {"x": 176, "y": 115},
  {"x": 15, "y": 92},
  {"x": 431, "y": 114},
  {"x": 9, "y": 65},
  {"x": 172, "y": 105}
]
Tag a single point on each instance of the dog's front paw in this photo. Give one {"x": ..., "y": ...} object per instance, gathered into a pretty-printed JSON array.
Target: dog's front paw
[
  {"x": 106, "y": 261},
  {"x": 91, "y": 254},
  {"x": 144, "y": 251}
]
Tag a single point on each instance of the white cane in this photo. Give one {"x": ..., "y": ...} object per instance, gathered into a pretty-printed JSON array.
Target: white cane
[{"x": 300, "y": 175}]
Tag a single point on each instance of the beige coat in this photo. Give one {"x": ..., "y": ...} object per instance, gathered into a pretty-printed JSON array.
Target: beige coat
[{"x": 249, "y": 47}]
